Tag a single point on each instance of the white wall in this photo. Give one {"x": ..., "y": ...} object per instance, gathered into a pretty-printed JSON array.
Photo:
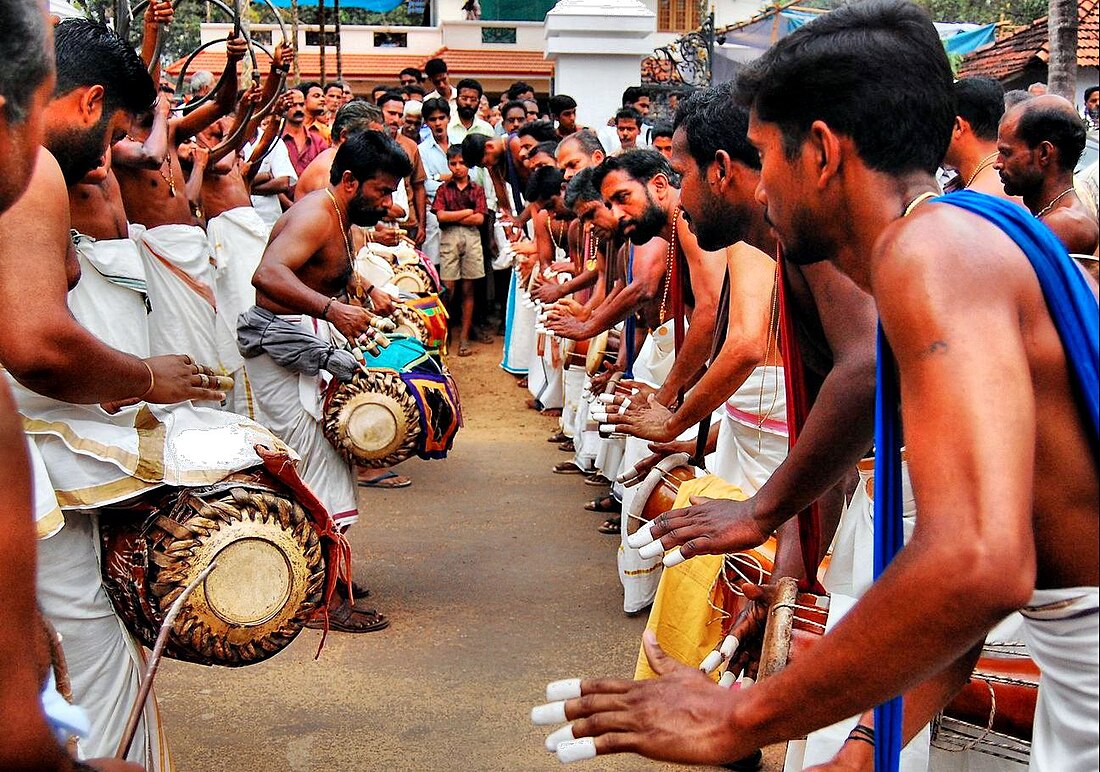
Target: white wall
[{"x": 530, "y": 35}]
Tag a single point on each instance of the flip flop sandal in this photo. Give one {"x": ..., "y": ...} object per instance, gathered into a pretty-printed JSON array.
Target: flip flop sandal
[
  {"x": 607, "y": 504},
  {"x": 568, "y": 446},
  {"x": 347, "y": 619},
  {"x": 464, "y": 350},
  {"x": 357, "y": 590},
  {"x": 566, "y": 467},
  {"x": 597, "y": 481},
  {"x": 610, "y": 526},
  {"x": 522, "y": 383},
  {"x": 557, "y": 437},
  {"x": 383, "y": 482}
]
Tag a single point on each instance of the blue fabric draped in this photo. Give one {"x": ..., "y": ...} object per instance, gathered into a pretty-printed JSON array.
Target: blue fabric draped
[
  {"x": 378, "y": 6},
  {"x": 1076, "y": 316}
]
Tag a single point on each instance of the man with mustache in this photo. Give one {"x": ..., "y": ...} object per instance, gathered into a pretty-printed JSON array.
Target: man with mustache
[
  {"x": 465, "y": 120},
  {"x": 304, "y": 280},
  {"x": 988, "y": 352},
  {"x": 304, "y": 140}
]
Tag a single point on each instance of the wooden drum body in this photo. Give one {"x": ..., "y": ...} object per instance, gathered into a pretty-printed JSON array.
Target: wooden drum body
[
  {"x": 602, "y": 350},
  {"x": 373, "y": 420},
  {"x": 267, "y": 584}
]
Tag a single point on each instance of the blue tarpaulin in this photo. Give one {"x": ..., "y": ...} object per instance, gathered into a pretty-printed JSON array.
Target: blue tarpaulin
[
  {"x": 378, "y": 6},
  {"x": 962, "y": 43}
]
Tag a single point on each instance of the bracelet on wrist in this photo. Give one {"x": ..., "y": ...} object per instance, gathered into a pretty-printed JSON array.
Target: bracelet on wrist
[
  {"x": 863, "y": 734},
  {"x": 328, "y": 305},
  {"x": 152, "y": 380}
]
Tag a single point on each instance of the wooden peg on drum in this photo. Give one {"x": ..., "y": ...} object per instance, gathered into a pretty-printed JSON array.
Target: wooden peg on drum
[{"x": 154, "y": 661}]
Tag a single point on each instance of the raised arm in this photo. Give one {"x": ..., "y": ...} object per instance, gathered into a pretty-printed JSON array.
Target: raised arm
[
  {"x": 192, "y": 123},
  {"x": 151, "y": 153},
  {"x": 158, "y": 15}
]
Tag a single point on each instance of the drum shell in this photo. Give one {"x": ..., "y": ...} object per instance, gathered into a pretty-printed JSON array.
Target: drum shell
[
  {"x": 602, "y": 349},
  {"x": 382, "y": 393},
  {"x": 152, "y": 550},
  {"x": 1014, "y": 681}
]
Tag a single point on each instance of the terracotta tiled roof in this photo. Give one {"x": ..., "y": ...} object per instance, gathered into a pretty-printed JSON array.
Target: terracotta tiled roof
[
  {"x": 383, "y": 67},
  {"x": 1010, "y": 55},
  {"x": 497, "y": 62}
]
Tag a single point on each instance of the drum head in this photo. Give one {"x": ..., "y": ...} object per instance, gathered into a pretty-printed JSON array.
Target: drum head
[
  {"x": 413, "y": 278},
  {"x": 597, "y": 347},
  {"x": 373, "y": 420}
]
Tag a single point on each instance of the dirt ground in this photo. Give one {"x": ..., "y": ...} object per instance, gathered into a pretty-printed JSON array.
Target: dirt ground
[{"x": 496, "y": 582}]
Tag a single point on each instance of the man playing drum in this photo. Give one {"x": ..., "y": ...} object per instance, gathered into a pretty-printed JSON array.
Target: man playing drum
[
  {"x": 980, "y": 354},
  {"x": 303, "y": 279}
]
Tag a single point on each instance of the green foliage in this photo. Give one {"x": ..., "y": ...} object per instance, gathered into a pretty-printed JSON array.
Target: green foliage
[{"x": 1015, "y": 12}]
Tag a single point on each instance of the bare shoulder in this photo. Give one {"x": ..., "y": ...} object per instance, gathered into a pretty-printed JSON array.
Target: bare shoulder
[
  {"x": 305, "y": 220},
  {"x": 1075, "y": 228},
  {"x": 44, "y": 203}
]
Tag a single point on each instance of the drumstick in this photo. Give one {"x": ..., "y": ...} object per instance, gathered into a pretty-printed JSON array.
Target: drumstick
[{"x": 154, "y": 662}]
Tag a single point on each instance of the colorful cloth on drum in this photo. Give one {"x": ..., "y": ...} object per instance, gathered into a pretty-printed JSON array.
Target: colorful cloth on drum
[
  {"x": 402, "y": 354},
  {"x": 439, "y": 413},
  {"x": 1076, "y": 316},
  {"x": 434, "y": 314}
]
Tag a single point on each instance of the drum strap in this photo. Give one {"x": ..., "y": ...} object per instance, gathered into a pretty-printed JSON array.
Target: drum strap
[
  {"x": 630, "y": 326},
  {"x": 798, "y": 407},
  {"x": 721, "y": 325}
]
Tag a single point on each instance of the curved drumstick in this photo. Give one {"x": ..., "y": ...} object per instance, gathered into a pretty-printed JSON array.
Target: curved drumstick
[{"x": 154, "y": 662}]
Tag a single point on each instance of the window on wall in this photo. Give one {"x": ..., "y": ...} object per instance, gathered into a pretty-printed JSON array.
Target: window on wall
[
  {"x": 313, "y": 38},
  {"x": 498, "y": 35},
  {"x": 391, "y": 40},
  {"x": 677, "y": 15}
]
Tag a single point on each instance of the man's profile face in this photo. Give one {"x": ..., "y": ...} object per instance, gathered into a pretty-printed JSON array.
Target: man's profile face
[
  {"x": 372, "y": 200},
  {"x": 494, "y": 149},
  {"x": 315, "y": 101},
  {"x": 19, "y": 143},
  {"x": 437, "y": 122},
  {"x": 296, "y": 113},
  {"x": 642, "y": 105},
  {"x": 637, "y": 213},
  {"x": 787, "y": 204},
  {"x": 393, "y": 116},
  {"x": 334, "y": 97},
  {"x": 716, "y": 222},
  {"x": 79, "y": 151},
  {"x": 603, "y": 222},
  {"x": 663, "y": 145},
  {"x": 572, "y": 158},
  {"x": 628, "y": 130},
  {"x": 513, "y": 119},
  {"x": 567, "y": 119},
  {"x": 1016, "y": 162},
  {"x": 1093, "y": 102},
  {"x": 527, "y": 143}
]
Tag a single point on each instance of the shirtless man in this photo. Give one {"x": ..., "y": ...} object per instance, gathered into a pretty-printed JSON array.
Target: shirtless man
[
  {"x": 304, "y": 278},
  {"x": 1039, "y": 143},
  {"x": 835, "y": 183},
  {"x": 101, "y": 84},
  {"x": 358, "y": 115},
  {"x": 973, "y": 149}
]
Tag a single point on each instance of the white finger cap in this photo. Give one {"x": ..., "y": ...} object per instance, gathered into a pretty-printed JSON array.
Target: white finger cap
[
  {"x": 727, "y": 680},
  {"x": 625, "y": 405},
  {"x": 577, "y": 750},
  {"x": 566, "y": 689},
  {"x": 607, "y": 399},
  {"x": 550, "y": 713},
  {"x": 606, "y": 428},
  {"x": 746, "y": 682},
  {"x": 559, "y": 736},
  {"x": 711, "y": 662},
  {"x": 641, "y": 537},
  {"x": 674, "y": 558},
  {"x": 597, "y": 415},
  {"x": 729, "y": 646},
  {"x": 651, "y": 550}
]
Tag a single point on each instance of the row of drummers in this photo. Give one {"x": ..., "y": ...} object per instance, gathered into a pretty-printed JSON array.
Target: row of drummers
[
  {"x": 204, "y": 502},
  {"x": 621, "y": 323}
]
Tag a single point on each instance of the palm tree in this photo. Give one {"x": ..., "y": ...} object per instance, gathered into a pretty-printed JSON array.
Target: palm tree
[
  {"x": 321, "y": 21},
  {"x": 1062, "y": 32},
  {"x": 339, "y": 53},
  {"x": 294, "y": 34}
]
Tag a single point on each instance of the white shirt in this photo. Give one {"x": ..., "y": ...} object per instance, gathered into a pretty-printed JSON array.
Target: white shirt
[
  {"x": 456, "y": 132},
  {"x": 277, "y": 164}
]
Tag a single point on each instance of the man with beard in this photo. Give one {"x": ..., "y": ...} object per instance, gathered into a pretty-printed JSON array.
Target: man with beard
[
  {"x": 1039, "y": 143},
  {"x": 465, "y": 120},
  {"x": 304, "y": 141},
  {"x": 101, "y": 84},
  {"x": 415, "y": 197},
  {"x": 303, "y": 283},
  {"x": 993, "y": 364},
  {"x": 980, "y": 103}
]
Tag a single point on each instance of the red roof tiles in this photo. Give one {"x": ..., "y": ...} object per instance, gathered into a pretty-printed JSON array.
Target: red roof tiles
[{"x": 1010, "y": 55}]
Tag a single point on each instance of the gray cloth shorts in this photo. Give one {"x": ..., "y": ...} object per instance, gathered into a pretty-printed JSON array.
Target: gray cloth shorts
[{"x": 460, "y": 255}]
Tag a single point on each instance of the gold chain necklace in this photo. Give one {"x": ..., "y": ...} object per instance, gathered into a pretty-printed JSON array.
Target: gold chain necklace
[
  {"x": 1046, "y": 209},
  {"x": 917, "y": 202},
  {"x": 555, "y": 240},
  {"x": 170, "y": 177},
  {"x": 347, "y": 242},
  {"x": 670, "y": 257},
  {"x": 982, "y": 166},
  {"x": 591, "y": 263}
]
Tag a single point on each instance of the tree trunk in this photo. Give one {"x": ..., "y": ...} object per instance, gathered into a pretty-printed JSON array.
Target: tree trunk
[
  {"x": 321, "y": 22},
  {"x": 294, "y": 34},
  {"x": 1062, "y": 65},
  {"x": 339, "y": 52}
]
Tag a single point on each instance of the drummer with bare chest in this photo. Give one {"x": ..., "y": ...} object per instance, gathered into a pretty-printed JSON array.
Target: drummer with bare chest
[{"x": 301, "y": 289}]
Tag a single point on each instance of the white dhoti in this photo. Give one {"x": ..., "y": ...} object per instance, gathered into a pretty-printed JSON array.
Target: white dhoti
[
  {"x": 850, "y": 574},
  {"x": 238, "y": 238},
  {"x": 111, "y": 298},
  {"x": 586, "y": 441},
  {"x": 544, "y": 375},
  {"x": 573, "y": 379},
  {"x": 1062, "y": 637},
  {"x": 752, "y": 433},
  {"x": 181, "y": 280},
  {"x": 519, "y": 330},
  {"x": 640, "y": 576},
  {"x": 290, "y": 404},
  {"x": 104, "y": 661}
]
